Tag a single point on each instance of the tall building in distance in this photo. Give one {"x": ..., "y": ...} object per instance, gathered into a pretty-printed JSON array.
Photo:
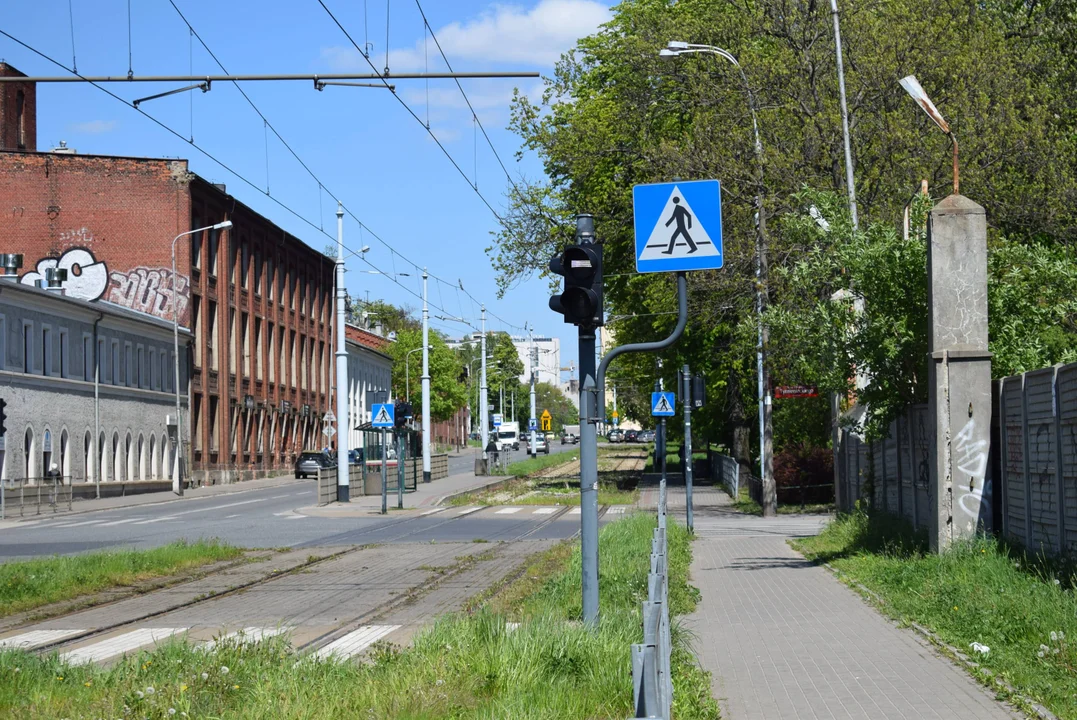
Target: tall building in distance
[{"x": 549, "y": 358}]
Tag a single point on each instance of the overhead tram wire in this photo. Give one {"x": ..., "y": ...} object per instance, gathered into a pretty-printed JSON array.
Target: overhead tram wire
[
  {"x": 322, "y": 186},
  {"x": 419, "y": 120},
  {"x": 248, "y": 181}
]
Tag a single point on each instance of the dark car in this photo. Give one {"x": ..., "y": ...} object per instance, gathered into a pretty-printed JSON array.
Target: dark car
[
  {"x": 355, "y": 456},
  {"x": 645, "y": 436},
  {"x": 631, "y": 436},
  {"x": 310, "y": 463}
]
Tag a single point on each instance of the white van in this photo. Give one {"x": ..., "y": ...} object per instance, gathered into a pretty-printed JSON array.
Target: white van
[{"x": 508, "y": 436}]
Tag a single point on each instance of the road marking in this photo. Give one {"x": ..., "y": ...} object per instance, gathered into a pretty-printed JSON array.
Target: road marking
[
  {"x": 119, "y": 645},
  {"x": 154, "y": 520},
  {"x": 296, "y": 517},
  {"x": 35, "y": 638},
  {"x": 617, "y": 510},
  {"x": 507, "y": 511},
  {"x": 77, "y": 524},
  {"x": 545, "y": 511},
  {"x": 278, "y": 497},
  {"x": 574, "y": 511},
  {"x": 355, "y": 642},
  {"x": 246, "y": 636},
  {"x": 229, "y": 517},
  {"x": 119, "y": 522},
  {"x": 431, "y": 512},
  {"x": 221, "y": 507},
  {"x": 468, "y": 511}
]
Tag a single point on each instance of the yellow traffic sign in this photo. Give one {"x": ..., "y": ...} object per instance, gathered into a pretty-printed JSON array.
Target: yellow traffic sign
[{"x": 546, "y": 418}]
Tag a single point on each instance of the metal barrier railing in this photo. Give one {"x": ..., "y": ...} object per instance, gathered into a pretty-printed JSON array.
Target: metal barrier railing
[
  {"x": 652, "y": 682},
  {"x": 34, "y": 496},
  {"x": 726, "y": 470}
]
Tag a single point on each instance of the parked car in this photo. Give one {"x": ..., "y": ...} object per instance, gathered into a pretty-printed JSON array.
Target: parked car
[
  {"x": 542, "y": 444},
  {"x": 309, "y": 463},
  {"x": 631, "y": 436},
  {"x": 616, "y": 436},
  {"x": 571, "y": 434},
  {"x": 645, "y": 436}
]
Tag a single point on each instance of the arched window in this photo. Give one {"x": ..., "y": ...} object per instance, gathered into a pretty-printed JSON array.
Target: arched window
[
  {"x": 154, "y": 472},
  {"x": 65, "y": 456},
  {"x": 30, "y": 447},
  {"x": 140, "y": 458},
  {"x": 87, "y": 457},
  {"x": 117, "y": 457},
  {"x": 102, "y": 458},
  {"x": 129, "y": 453}
]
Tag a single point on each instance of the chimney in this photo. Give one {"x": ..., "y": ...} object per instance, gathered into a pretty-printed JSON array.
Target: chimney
[
  {"x": 63, "y": 149},
  {"x": 18, "y": 112},
  {"x": 55, "y": 279},
  {"x": 10, "y": 262}
]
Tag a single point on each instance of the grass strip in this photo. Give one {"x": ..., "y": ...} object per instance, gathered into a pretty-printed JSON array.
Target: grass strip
[
  {"x": 1024, "y": 609},
  {"x": 29, "y": 584},
  {"x": 468, "y": 666}
]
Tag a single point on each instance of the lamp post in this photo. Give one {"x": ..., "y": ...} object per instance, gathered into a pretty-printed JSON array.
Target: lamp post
[
  {"x": 407, "y": 371},
  {"x": 912, "y": 86},
  {"x": 343, "y": 423},
  {"x": 484, "y": 407},
  {"x": 766, "y": 430},
  {"x": 177, "y": 484},
  {"x": 426, "y": 384}
]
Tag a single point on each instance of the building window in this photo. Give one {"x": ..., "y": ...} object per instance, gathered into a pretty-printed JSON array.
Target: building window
[
  {"x": 232, "y": 341},
  {"x": 140, "y": 368},
  {"x": 257, "y": 274},
  {"x": 196, "y": 423},
  {"x": 245, "y": 335},
  {"x": 272, "y": 355},
  {"x": 214, "y": 440},
  {"x": 20, "y": 119},
  {"x": 214, "y": 247},
  {"x": 196, "y": 244},
  {"x": 244, "y": 270},
  {"x": 115, "y": 362},
  {"x": 167, "y": 371},
  {"x": 152, "y": 376},
  {"x": 211, "y": 346},
  {"x": 128, "y": 365},
  {"x": 46, "y": 351},
  {"x": 295, "y": 360},
  {"x": 258, "y": 348},
  {"x": 87, "y": 358},
  {"x": 196, "y": 327},
  {"x": 65, "y": 352},
  {"x": 269, "y": 278}
]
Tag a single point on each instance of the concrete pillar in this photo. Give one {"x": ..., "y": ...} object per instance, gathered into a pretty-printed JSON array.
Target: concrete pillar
[{"x": 960, "y": 370}]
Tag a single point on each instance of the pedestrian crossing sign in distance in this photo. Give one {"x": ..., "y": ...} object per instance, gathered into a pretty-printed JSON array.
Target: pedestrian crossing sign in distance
[
  {"x": 383, "y": 415},
  {"x": 678, "y": 226},
  {"x": 663, "y": 404}
]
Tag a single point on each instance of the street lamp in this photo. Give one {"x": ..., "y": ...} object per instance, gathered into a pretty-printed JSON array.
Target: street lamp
[
  {"x": 175, "y": 348},
  {"x": 912, "y": 86},
  {"x": 675, "y": 49},
  {"x": 407, "y": 370}
]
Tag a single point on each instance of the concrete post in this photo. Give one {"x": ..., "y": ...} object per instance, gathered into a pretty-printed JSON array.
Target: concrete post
[
  {"x": 343, "y": 481},
  {"x": 960, "y": 370},
  {"x": 426, "y": 384}
]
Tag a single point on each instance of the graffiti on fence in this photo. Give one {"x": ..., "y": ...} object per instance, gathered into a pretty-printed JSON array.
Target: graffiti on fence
[{"x": 970, "y": 457}]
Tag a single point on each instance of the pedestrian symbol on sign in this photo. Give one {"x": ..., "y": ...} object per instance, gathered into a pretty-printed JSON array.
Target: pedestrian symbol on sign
[
  {"x": 662, "y": 404},
  {"x": 678, "y": 226},
  {"x": 384, "y": 416}
]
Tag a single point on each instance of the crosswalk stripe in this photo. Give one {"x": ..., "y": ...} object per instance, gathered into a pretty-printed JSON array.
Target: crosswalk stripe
[
  {"x": 507, "y": 511},
  {"x": 431, "y": 512},
  {"x": 246, "y": 636},
  {"x": 545, "y": 511},
  {"x": 296, "y": 517},
  {"x": 36, "y": 638},
  {"x": 157, "y": 519},
  {"x": 356, "y": 641},
  {"x": 119, "y": 522},
  {"x": 468, "y": 511},
  {"x": 574, "y": 511},
  {"x": 119, "y": 645},
  {"x": 77, "y": 524},
  {"x": 618, "y": 509}
]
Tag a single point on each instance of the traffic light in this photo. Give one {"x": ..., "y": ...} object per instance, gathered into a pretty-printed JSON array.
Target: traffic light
[
  {"x": 699, "y": 391},
  {"x": 403, "y": 413},
  {"x": 581, "y": 266},
  {"x": 3, "y": 417}
]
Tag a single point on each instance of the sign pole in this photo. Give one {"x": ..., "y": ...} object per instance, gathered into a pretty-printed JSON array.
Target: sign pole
[
  {"x": 686, "y": 400},
  {"x": 588, "y": 476},
  {"x": 384, "y": 473},
  {"x": 401, "y": 472}
]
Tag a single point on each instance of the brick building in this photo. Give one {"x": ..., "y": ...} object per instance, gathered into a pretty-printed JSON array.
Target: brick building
[{"x": 256, "y": 299}]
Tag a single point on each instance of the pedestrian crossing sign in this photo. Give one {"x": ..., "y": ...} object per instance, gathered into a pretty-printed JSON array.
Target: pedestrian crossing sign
[
  {"x": 678, "y": 226},
  {"x": 662, "y": 404},
  {"x": 384, "y": 415}
]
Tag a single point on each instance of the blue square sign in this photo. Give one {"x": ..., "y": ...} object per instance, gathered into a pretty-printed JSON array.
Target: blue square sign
[
  {"x": 678, "y": 226},
  {"x": 383, "y": 415},
  {"x": 663, "y": 404}
]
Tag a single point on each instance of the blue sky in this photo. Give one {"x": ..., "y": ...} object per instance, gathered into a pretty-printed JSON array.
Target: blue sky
[{"x": 361, "y": 143}]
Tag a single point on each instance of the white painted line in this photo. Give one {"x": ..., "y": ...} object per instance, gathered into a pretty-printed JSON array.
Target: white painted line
[
  {"x": 35, "y": 638},
  {"x": 296, "y": 517},
  {"x": 574, "y": 511},
  {"x": 431, "y": 512},
  {"x": 119, "y": 522},
  {"x": 545, "y": 511},
  {"x": 468, "y": 511},
  {"x": 246, "y": 636},
  {"x": 229, "y": 517},
  {"x": 278, "y": 497},
  {"x": 355, "y": 642},
  {"x": 155, "y": 520},
  {"x": 77, "y": 524},
  {"x": 220, "y": 507},
  {"x": 119, "y": 645},
  {"x": 507, "y": 511},
  {"x": 618, "y": 510}
]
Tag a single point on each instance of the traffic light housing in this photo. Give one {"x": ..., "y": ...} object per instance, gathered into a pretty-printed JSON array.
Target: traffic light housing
[
  {"x": 403, "y": 413},
  {"x": 581, "y": 266},
  {"x": 699, "y": 391}
]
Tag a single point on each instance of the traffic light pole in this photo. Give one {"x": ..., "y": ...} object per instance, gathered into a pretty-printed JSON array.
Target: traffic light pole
[
  {"x": 531, "y": 360},
  {"x": 686, "y": 401},
  {"x": 588, "y": 476}
]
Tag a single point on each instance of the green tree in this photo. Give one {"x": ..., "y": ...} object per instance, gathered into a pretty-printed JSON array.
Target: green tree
[
  {"x": 547, "y": 397},
  {"x": 503, "y": 369},
  {"x": 447, "y": 390}
]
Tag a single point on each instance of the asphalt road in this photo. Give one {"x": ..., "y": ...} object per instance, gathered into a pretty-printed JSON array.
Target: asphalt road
[
  {"x": 267, "y": 518},
  {"x": 466, "y": 461}
]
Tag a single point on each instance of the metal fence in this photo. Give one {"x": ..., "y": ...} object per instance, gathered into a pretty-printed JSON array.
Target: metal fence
[
  {"x": 34, "y": 496},
  {"x": 726, "y": 470},
  {"x": 652, "y": 684}
]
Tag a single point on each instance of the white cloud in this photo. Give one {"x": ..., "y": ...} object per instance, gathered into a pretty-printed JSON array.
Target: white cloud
[
  {"x": 503, "y": 34},
  {"x": 93, "y": 127}
]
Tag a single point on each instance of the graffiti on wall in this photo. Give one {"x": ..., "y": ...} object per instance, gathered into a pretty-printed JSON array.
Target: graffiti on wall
[
  {"x": 970, "y": 457},
  {"x": 151, "y": 290},
  {"x": 87, "y": 278}
]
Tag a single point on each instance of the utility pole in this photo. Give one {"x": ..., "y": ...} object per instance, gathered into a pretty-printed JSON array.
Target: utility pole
[
  {"x": 343, "y": 489},
  {"x": 426, "y": 384},
  {"x": 686, "y": 401},
  {"x": 484, "y": 405},
  {"x": 532, "y": 356}
]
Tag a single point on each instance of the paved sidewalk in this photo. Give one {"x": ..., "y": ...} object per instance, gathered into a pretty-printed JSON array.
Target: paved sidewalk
[{"x": 784, "y": 639}]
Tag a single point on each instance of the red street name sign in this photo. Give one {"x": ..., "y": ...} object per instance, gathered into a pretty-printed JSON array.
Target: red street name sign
[{"x": 785, "y": 392}]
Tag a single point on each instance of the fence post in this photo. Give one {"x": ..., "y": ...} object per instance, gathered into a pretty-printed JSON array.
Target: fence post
[{"x": 1026, "y": 466}]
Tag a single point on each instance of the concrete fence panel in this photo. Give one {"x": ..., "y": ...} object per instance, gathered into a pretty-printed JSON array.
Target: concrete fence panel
[
  {"x": 1043, "y": 498},
  {"x": 1066, "y": 399}
]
